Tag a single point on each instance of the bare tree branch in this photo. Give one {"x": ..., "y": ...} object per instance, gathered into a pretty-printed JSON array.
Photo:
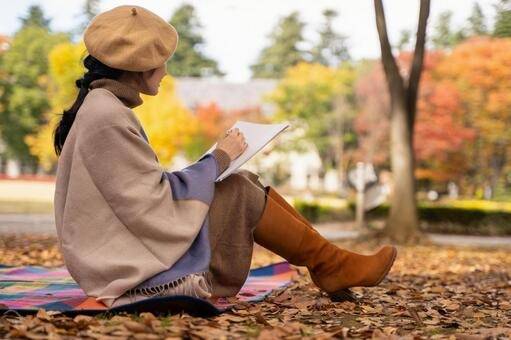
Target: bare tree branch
[
  {"x": 394, "y": 79},
  {"x": 417, "y": 62}
]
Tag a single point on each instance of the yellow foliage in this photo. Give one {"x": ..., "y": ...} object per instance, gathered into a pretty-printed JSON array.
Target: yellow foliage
[
  {"x": 65, "y": 67},
  {"x": 307, "y": 88},
  {"x": 168, "y": 123}
]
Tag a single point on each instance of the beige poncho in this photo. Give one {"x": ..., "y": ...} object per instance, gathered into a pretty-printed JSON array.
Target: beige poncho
[{"x": 120, "y": 217}]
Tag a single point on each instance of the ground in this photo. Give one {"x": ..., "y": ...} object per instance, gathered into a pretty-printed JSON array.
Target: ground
[{"x": 431, "y": 292}]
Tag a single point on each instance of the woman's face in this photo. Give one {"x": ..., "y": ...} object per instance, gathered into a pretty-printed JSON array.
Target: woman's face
[{"x": 150, "y": 80}]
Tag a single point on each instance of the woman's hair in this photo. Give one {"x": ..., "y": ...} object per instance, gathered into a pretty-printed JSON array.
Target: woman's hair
[{"x": 96, "y": 70}]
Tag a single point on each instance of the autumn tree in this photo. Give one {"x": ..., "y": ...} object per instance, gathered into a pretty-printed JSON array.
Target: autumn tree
[
  {"x": 168, "y": 123},
  {"x": 64, "y": 67},
  {"x": 213, "y": 121},
  {"x": 210, "y": 123},
  {"x": 285, "y": 49},
  {"x": 402, "y": 224},
  {"x": 318, "y": 101},
  {"x": 481, "y": 68},
  {"x": 440, "y": 134},
  {"x": 189, "y": 59},
  {"x": 371, "y": 122}
]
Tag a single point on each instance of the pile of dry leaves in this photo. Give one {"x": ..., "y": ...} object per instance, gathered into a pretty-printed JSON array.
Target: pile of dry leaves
[{"x": 432, "y": 292}]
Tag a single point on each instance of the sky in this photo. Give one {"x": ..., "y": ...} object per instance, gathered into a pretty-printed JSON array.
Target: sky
[{"x": 235, "y": 31}]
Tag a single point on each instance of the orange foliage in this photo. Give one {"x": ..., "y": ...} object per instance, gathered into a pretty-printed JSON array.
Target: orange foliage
[
  {"x": 481, "y": 69},
  {"x": 213, "y": 121}
]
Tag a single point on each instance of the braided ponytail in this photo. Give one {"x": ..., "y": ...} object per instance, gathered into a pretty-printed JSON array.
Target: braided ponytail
[{"x": 96, "y": 70}]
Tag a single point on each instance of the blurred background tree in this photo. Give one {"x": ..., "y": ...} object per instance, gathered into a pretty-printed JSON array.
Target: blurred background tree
[
  {"x": 284, "y": 50},
  {"x": 441, "y": 133},
  {"x": 331, "y": 49},
  {"x": 169, "y": 125},
  {"x": 24, "y": 98},
  {"x": 65, "y": 66},
  {"x": 476, "y": 22},
  {"x": 444, "y": 36},
  {"x": 484, "y": 90},
  {"x": 308, "y": 96},
  {"x": 35, "y": 17},
  {"x": 211, "y": 123},
  {"x": 189, "y": 59},
  {"x": 502, "y": 27},
  {"x": 89, "y": 10}
]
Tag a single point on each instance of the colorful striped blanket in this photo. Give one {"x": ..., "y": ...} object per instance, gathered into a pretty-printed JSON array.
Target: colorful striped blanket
[{"x": 26, "y": 289}]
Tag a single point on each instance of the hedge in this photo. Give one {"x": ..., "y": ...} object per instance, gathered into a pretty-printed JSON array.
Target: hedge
[{"x": 434, "y": 218}]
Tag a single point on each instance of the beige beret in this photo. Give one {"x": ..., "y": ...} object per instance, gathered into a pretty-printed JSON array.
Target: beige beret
[{"x": 130, "y": 38}]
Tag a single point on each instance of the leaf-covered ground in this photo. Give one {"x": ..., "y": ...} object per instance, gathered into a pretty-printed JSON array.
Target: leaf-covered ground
[{"x": 431, "y": 292}]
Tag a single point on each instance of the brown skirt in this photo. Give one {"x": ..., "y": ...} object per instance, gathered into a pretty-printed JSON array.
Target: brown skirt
[{"x": 236, "y": 208}]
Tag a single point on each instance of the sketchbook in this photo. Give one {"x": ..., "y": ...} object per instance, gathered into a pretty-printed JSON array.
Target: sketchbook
[{"x": 256, "y": 136}]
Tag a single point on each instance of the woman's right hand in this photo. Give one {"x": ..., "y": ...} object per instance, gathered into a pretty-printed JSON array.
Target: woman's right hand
[{"x": 233, "y": 143}]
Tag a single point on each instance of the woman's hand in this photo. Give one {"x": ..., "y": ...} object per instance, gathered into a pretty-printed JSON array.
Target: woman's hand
[{"x": 233, "y": 143}]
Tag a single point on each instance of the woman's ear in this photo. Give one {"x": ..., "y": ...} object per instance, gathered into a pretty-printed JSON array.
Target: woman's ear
[
  {"x": 145, "y": 77},
  {"x": 150, "y": 81}
]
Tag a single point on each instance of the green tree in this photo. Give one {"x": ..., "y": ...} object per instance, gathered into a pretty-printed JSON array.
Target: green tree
[
  {"x": 502, "y": 26},
  {"x": 189, "y": 59},
  {"x": 24, "y": 98},
  {"x": 284, "y": 50},
  {"x": 477, "y": 22},
  {"x": 89, "y": 10},
  {"x": 35, "y": 17},
  {"x": 443, "y": 35},
  {"x": 331, "y": 48},
  {"x": 405, "y": 38}
]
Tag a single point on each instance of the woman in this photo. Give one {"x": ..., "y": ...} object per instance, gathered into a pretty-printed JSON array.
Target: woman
[{"x": 129, "y": 230}]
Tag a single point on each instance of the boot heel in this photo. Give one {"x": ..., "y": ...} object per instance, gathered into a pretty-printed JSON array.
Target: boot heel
[{"x": 343, "y": 295}]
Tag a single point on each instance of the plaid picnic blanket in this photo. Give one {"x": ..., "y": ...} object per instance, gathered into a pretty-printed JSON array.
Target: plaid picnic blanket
[{"x": 26, "y": 289}]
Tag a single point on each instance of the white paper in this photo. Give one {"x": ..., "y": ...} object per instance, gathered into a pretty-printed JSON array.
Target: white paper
[{"x": 256, "y": 136}]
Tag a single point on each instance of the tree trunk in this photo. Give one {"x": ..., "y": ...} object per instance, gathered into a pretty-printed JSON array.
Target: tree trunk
[
  {"x": 402, "y": 223},
  {"x": 339, "y": 106}
]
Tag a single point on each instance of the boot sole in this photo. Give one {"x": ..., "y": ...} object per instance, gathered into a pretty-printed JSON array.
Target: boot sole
[
  {"x": 389, "y": 266},
  {"x": 343, "y": 295}
]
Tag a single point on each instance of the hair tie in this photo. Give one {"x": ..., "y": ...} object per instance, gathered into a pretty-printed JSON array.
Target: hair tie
[
  {"x": 79, "y": 83},
  {"x": 84, "y": 82}
]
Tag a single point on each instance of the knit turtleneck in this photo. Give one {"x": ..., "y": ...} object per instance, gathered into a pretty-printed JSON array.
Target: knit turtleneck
[{"x": 126, "y": 93}]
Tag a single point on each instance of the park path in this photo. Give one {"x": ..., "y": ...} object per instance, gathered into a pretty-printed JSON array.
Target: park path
[
  {"x": 45, "y": 224},
  {"x": 27, "y": 224},
  {"x": 340, "y": 231}
]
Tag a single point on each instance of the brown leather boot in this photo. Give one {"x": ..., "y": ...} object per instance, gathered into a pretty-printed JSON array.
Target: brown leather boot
[
  {"x": 332, "y": 269},
  {"x": 283, "y": 203}
]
